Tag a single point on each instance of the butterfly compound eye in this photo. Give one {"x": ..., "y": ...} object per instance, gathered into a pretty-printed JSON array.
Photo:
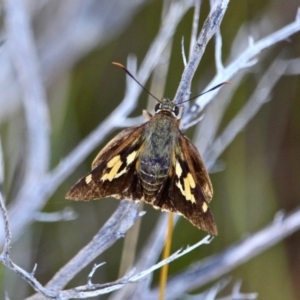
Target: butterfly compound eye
[
  {"x": 157, "y": 107},
  {"x": 176, "y": 110}
]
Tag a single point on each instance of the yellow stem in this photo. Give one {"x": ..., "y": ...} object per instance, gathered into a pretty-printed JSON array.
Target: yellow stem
[{"x": 166, "y": 254}]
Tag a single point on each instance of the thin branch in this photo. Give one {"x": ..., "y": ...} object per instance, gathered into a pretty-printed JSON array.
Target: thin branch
[
  {"x": 90, "y": 290},
  {"x": 1, "y": 167},
  {"x": 218, "y": 48},
  {"x": 123, "y": 218},
  {"x": 293, "y": 66},
  {"x": 259, "y": 97},
  {"x": 5, "y": 255},
  {"x": 216, "y": 266},
  {"x": 7, "y": 244},
  {"x": 98, "y": 289},
  {"x": 23, "y": 52},
  {"x": 91, "y": 274},
  {"x": 211, "y": 24},
  {"x": 183, "y": 52},
  {"x": 147, "y": 258},
  {"x": 218, "y": 52},
  {"x": 195, "y": 25},
  {"x": 67, "y": 214},
  {"x": 176, "y": 255},
  {"x": 212, "y": 292},
  {"x": 241, "y": 62}
]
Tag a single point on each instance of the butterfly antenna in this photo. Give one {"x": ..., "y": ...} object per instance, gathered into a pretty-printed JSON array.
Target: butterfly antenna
[
  {"x": 213, "y": 88},
  {"x": 128, "y": 73}
]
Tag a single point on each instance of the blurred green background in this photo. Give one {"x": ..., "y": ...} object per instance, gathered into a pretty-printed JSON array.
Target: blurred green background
[{"x": 262, "y": 165}]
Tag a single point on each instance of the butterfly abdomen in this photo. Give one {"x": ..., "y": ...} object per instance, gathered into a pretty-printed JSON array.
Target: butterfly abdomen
[
  {"x": 156, "y": 158},
  {"x": 152, "y": 174}
]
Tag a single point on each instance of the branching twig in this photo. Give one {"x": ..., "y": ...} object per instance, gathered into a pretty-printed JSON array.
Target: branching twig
[
  {"x": 149, "y": 255},
  {"x": 210, "y": 26},
  {"x": 67, "y": 214},
  {"x": 195, "y": 26},
  {"x": 116, "y": 227},
  {"x": 6, "y": 260},
  {"x": 97, "y": 289},
  {"x": 22, "y": 49},
  {"x": 259, "y": 97},
  {"x": 21, "y": 45},
  {"x": 216, "y": 266},
  {"x": 244, "y": 60},
  {"x": 90, "y": 290},
  {"x": 21, "y": 211},
  {"x": 7, "y": 244}
]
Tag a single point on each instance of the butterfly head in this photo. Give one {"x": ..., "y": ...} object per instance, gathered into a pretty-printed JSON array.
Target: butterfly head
[{"x": 167, "y": 105}]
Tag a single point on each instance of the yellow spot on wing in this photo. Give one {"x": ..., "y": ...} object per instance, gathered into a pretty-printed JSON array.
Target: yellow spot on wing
[
  {"x": 191, "y": 180},
  {"x": 114, "y": 171},
  {"x": 186, "y": 192},
  {"x": 187, "y": 188},
  {"x": 113, "y": 161},
  {"x": 188, "y": 183},
  {"x": 88, "y": 178},
  {"x": 115, "y": 164}
]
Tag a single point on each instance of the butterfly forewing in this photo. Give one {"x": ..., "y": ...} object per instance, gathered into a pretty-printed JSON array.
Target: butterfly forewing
[{"x": 113, "y": 170}]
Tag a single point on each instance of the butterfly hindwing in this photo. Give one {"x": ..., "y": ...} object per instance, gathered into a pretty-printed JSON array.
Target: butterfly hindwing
[
  {"x": 193, "y": 190},
  {"x": 113, "y": 170},
  {"x": 188, "y": 189}
]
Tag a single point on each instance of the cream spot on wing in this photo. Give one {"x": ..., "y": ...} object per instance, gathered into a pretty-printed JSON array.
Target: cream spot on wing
[
  {"x": 88, "y": 178},
  {"x": 113, "y": 161},
  {"x": 204, "y": 207},
  {"x": 114, "y": 171},
  {"x": 131, "y": 157},
  {"x": 115, "y": 164},
  {"x": 187, "y": 191},
  {"x": 180, "y": 188},
  {"x": 191, "y": 180},
  {"x": 178, "y": 169},
  {"x": 187, "y": 188}
]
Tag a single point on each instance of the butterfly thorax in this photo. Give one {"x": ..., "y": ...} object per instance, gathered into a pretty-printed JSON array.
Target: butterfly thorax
[{"x": 157, "y": 155}]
